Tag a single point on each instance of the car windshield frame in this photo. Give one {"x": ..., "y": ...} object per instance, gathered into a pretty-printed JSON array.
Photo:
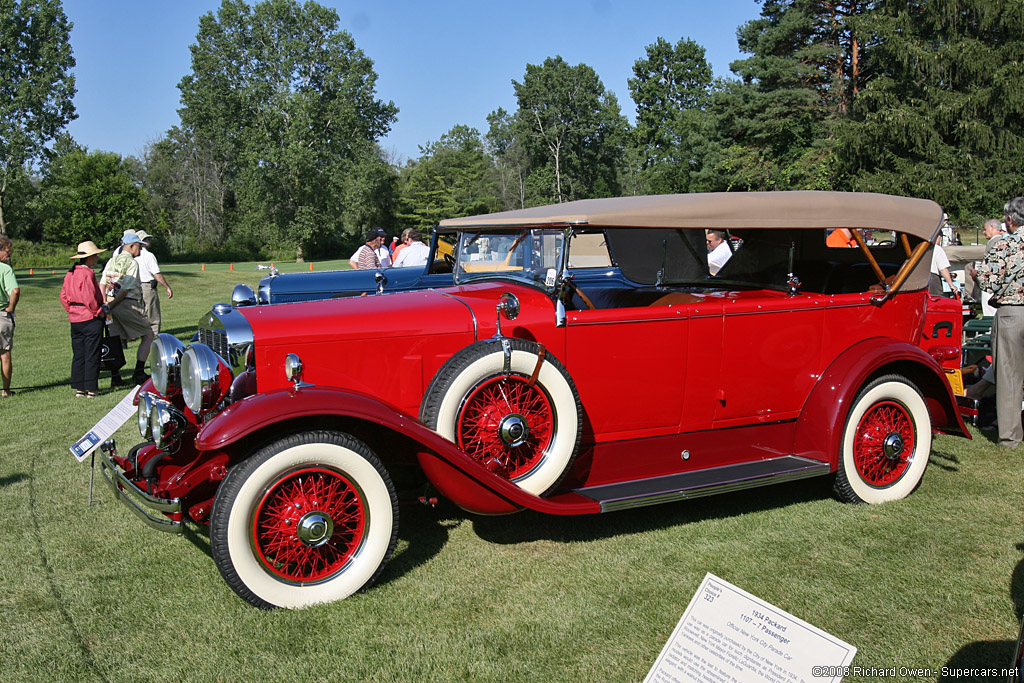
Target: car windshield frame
[{"x": 533, "y": 256}]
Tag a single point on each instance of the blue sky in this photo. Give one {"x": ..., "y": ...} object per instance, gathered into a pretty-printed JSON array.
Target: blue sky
[{"x": 442, "y": 63}]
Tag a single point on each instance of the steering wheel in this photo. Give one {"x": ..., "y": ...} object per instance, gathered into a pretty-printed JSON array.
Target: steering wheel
[
  {"x": 450, "y": 260},
  {"x": 579, "y": 292}
]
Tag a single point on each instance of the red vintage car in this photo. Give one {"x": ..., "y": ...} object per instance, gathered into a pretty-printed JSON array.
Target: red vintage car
[{"x": 293, "y": 429}]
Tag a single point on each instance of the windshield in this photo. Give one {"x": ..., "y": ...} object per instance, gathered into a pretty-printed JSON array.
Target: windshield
[{"x": 530, "y": 255}]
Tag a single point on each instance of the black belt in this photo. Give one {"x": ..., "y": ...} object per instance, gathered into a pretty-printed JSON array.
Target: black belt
[
  {"x": 151, "y": 283},
  {"x": 75, "y": 303}
]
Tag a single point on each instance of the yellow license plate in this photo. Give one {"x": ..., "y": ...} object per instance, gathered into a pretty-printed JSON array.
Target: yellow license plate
[{"x": 956, "y": 381}]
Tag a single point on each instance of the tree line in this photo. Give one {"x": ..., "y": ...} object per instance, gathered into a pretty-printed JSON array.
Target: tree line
[{"x": 278, "y": 144}]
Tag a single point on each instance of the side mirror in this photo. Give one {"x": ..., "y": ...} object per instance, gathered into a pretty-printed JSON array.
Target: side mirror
[
  {"x": 508, "y": 305},
  {"x": 381, "y": 281}
]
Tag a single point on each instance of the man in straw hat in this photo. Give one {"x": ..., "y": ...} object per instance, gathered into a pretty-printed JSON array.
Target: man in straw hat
[
  {"x": 120, "y": 284},
  {"x": 82, "y": 299},
  {"x": 149, "y": 277},
  {"x": 9, "y": 295}
]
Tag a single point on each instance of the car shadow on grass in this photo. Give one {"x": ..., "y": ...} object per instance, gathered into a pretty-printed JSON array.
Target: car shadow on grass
[
  {"x": 12, "y": 479},
  {"x": 986, "y": 660},
  {"x": 532, "y": 526},
  {"x": 424, "y": 533},
  {"x": 199, "y": 536},
  {"x": 944, "y": 460},
  {"x": 1017, "y": 586},
  {"x": 968, "y": 662}
]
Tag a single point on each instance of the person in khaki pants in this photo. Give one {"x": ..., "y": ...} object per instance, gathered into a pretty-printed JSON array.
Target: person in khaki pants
[
  {"x": 1002, "y": 273},
  {"x": 149, "y": 277}
]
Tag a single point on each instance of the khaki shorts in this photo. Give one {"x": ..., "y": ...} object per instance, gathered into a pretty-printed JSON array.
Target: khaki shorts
[
  {"x": 6, "y": 332},
  {"x": 129, "y": 320}
]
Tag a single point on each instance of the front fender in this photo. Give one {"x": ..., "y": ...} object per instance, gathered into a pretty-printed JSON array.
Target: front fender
[
  {"x": 458, "y": 477},
  {"x": 823, "y": 417}
]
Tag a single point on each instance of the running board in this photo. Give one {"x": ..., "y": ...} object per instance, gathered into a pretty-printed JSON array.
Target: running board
[{"x": 714, "y": 480}]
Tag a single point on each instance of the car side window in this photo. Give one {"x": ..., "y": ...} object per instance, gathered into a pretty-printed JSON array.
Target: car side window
[
  {"x": 589, "y": 250},
  {"x": 842, "y": 238}
]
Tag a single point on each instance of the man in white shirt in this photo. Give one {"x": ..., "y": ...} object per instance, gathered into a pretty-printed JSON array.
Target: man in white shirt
[
  {"x": 149, "y": 277},
  {"x": 940, "y": 269},
  {"x": 415, "y": 252},
  {"x": 718, "y": 250}
]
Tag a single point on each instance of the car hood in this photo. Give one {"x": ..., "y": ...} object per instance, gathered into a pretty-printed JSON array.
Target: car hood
[
  {"x": 372, "y": 316},
  {"x": 320, "y": 281}
]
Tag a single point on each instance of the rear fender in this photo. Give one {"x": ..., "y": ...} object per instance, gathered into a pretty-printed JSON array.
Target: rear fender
[
  {"x": 821, "y": 422},
  {"x": 458, "y": 477}
]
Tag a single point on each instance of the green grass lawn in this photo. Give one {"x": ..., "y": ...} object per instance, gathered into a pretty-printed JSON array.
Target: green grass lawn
[{"x": 90, "y": 593}]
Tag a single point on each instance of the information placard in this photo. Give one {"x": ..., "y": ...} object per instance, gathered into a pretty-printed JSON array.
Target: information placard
[
  {"x": 105, "y": 428},
  {"x": 727, "y": 635}
]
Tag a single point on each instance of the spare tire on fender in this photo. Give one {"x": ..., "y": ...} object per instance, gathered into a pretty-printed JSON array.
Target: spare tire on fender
[{"x": 510, "y": 405}]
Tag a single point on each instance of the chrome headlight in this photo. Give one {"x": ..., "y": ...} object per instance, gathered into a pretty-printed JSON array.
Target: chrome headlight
[
  {"x": 205, "y": 378},
  {"x": 166, "y": 423},
  {"x": 145, "y": 408},
  {"x": 165, "y": 364},
  {"x": 159, "y": 420},
  {"x": 242, "y": 295}
]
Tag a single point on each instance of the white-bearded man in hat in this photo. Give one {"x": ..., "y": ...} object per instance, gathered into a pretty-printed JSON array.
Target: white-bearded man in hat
[{"x": 120, "y": 284}]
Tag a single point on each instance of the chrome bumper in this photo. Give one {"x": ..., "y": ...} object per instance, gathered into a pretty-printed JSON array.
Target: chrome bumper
[
  {"x": 140, "y": 502},
  {"x": 968, "y": 408}
]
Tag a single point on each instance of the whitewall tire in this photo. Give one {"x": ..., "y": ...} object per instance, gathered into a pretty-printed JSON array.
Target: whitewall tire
[
  {"x": 886, "y": 442},
  {"x": 308, "y": 519},
  {"x": 528, "y": 432}
]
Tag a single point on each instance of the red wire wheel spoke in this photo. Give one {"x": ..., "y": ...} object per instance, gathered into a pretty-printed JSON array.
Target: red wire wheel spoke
[
  {"x": 884, "y": 443},
  {"x": 309, "y": 525},
  {"x": 490, "y": 416}
]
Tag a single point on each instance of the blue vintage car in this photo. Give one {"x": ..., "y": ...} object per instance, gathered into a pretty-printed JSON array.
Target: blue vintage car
[
  {"x": 591, "y": 261},
  {"x": 278, "y": 288}
]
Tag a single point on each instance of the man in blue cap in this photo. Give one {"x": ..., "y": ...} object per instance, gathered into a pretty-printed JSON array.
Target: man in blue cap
[{"x": 120, "y": 284}]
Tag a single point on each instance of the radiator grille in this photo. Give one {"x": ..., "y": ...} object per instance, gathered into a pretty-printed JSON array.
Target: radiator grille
[{"x": 216, "y": 340}]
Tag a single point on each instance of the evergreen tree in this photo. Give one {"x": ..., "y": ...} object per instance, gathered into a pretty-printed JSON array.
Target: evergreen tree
[
  {"x": 943, "y": 114},
  {"x": 776, "y": 124}
]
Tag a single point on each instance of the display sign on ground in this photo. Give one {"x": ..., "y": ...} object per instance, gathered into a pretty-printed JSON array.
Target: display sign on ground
[
  {"x": 727, "y": 635},
  {"x": 105, "y": 428}
]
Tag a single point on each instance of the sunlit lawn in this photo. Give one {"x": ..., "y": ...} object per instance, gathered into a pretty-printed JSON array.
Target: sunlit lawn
[{"x": 90, "y": 593}]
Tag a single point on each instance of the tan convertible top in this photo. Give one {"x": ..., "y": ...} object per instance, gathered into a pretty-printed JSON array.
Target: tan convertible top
[{"x": 730, "y": 210}]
